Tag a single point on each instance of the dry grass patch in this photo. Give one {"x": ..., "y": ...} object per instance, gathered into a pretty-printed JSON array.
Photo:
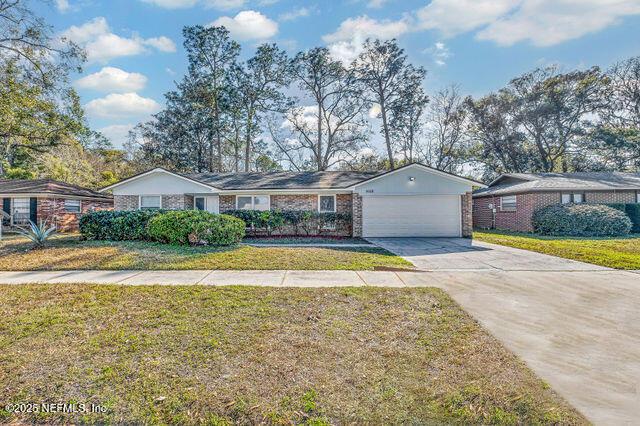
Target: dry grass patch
[
  {"x": 250, "y": 355},
  {"x": 69, "y": 252}
]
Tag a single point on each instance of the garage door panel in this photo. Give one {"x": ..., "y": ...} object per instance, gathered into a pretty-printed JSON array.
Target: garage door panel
[{"x": 411, "y": 216}]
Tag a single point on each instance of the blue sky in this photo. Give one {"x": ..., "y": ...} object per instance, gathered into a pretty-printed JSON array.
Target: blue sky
[{"x": 135, "y": 46}]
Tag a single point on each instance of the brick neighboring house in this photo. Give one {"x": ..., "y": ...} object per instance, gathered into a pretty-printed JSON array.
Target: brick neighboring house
[
  {"x": 509, "y": 201},
  {"x": 58, "y": 203},
  {"x": 414, "y": 200}
]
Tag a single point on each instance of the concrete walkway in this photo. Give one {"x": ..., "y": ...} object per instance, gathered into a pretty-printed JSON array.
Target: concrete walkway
[{"x": 213, "y": 277}]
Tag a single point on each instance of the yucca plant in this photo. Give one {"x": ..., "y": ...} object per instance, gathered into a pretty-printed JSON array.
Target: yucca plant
[{"x": 38, "y": 234}]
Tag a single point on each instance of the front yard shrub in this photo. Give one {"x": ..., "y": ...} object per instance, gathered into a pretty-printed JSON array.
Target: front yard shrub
[
  {"x": 194, "y": 227},
  {"x": 633, "y": 211},
  {"x": 581, "y": 220},
  {"x": 116, "y": 225},
  {"x": 301, "y": 222}
]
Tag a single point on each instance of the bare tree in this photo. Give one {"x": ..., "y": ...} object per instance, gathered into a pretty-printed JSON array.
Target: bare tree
[
  {"x": 383, "y": 69},
  {"x": 333, "y": 129},
  {"x": 446, "y": 138}
]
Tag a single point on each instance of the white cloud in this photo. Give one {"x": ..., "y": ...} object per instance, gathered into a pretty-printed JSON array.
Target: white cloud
[
  {"x": 440, "y": 53},
  {"x": 172, "y": 4},
  {"x": 183, "y": 4},
  {"x": 102, "y": 45},
  {"x": 549, "y": 22},
  {"x": 295, "y": 14},
  {"x": 111, "y": 79},
  {"x": 542, "y": 22},
  {"x": 117, "y": 133},
  {"x": 345, "y": 44},
  {"x": 162, "y": 43},
  {"x": 62, "y": 5},
  {"x": 224, "y": 4},
  {"x": 248, "y": 25},
  {"x": 118, "y": 105},
  {"x": 453, "y": 17},
  {"x": 376, "y": 4}
]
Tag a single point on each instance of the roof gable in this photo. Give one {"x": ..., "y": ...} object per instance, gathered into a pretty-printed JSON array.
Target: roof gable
[{"x": 47, "y": 187}]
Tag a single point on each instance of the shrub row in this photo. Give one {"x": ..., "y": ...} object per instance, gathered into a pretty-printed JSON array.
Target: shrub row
[
  {"x": 173, "y": 227},
  {"x": 631, "y": 210},
  {"x": 581, "y": 220},
  {"x": 195, "y": 227},
  {"x": 116, "y": 225},
  {"x": 302, "y": 222}
]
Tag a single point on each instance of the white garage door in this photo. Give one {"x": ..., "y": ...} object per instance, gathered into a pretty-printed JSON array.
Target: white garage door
[{"x": 411, "y": 216}]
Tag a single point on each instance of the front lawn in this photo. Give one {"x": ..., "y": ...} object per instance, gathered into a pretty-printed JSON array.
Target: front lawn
[
  {"x": 304, "y": 240},
  {"x": 619, "y": 253},
  {"x": 69, "y": 252},
  {"x": 191, "y": 354}
]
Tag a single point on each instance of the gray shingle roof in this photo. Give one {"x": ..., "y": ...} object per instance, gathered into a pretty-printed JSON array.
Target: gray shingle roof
[
  {"x": 47, "y": 186},
  {"x": 511, "y": 183},
  {"x": 282, "y": 180}
]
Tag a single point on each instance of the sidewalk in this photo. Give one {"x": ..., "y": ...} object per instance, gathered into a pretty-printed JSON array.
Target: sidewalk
[{"x": 218, "y": 277}]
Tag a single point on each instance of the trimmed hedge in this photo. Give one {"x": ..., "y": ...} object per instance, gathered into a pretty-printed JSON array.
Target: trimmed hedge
[
  {"x": 633, "y": 211},
  {"x": 195, "y": 227},
  {"x": 303, "y": 222},
  {"x": 116, "y": 225},
  {"x": 580, "y": 220}
]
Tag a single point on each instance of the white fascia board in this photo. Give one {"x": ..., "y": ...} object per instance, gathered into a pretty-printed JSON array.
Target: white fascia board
[
  {"x": 428, "y": 169},
  {"x": 284, "y": 191},
  {"x": 157, "y": 169}
]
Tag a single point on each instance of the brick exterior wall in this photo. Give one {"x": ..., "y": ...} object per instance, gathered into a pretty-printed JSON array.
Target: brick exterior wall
[
  {"x": 298, "y": 202},
  {"x": 170, "y": 202},
  {"x": 52, "y": 210},
  {"x": 125, "y": 202},
  {"x": 357, "y": 215},
  {"x": 227, "y": 202},
  {"x": 467, "y": 215},
  {"x": 526, "y": 204}
]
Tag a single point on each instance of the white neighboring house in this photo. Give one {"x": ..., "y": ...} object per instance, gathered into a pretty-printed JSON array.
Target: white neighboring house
[{"x": 411, "y": 201}]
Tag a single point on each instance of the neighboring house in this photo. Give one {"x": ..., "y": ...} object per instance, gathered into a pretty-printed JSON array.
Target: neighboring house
[
  {"x": 414, "y": 200},
  {"x": 58, "y": 203},
  {"x": 510, "y": 200}
]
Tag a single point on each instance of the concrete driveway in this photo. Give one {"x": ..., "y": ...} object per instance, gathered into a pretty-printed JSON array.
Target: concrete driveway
[
  {"x": 459, "y": 254},
  {"x": 576, "y": 325}
]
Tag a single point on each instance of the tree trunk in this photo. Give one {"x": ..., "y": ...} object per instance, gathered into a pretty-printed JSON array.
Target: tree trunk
[
  {"x": 247, "y": 143},
  {"x": 385, "y": 130},
  {"x": 319, "y": 148}
]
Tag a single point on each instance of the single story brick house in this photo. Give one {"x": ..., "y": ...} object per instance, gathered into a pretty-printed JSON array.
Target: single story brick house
[
  {"x": 58, "y": 203},
  {"x": 509, "y": 201},
  {"x": 414, "y": 200}
]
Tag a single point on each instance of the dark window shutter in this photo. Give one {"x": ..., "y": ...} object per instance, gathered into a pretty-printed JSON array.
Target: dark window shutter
[
  {"x": 33, "y": 210},
  {"x": 6, "y": 207}
]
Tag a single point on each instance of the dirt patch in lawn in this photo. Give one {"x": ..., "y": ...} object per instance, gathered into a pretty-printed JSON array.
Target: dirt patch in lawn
[
  {"x": 69, "y": 253},
  {"x": 250, "y": 355}
]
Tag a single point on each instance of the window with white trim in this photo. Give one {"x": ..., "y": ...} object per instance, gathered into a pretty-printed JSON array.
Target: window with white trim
[
  {"x": 148, "y": 202},
  {"x": 508, "y": 203},
  {"x": 199, "y": 203},
  {"x": 21, "y": 210},
  {"x": 327, "y": 203},
  {"x": 252, "y": 202},
  {"x": 72, "y": 206},
  {"x": 575, "y": 197}
]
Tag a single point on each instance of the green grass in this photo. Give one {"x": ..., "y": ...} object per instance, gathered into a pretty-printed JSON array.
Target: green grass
[
  {"x": 619, "y": 253},
  {"x": 206, "y": 355},
  {"x": 69, "y": 252}
]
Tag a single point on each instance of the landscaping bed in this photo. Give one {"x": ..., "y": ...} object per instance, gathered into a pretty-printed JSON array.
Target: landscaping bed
[
  {"x": 185, "y": 355},
  {"x": 70, "y": 252},
  {"x": 613, "y": 252},
  {"x": 304, "y": 240}
]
